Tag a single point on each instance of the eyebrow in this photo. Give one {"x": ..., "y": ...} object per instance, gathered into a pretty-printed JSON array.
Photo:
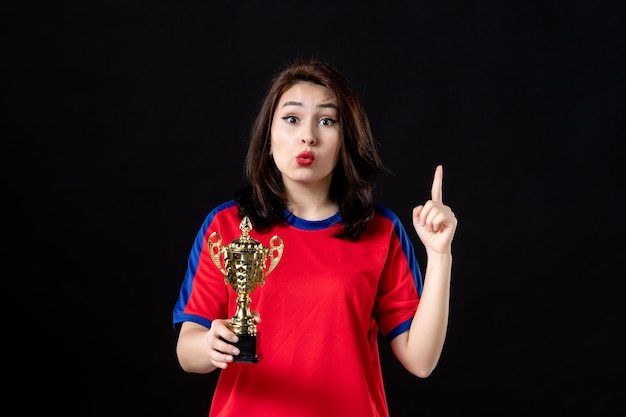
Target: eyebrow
[{"x": 323, "y": 105}]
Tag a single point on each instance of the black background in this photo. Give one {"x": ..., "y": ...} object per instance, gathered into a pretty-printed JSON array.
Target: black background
[{"x": 127, "y": 122}]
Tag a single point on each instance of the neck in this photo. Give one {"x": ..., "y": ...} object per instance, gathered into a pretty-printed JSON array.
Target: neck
[{"x": 311, "y": 203}]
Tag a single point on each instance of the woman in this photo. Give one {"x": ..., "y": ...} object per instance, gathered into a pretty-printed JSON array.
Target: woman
[{"x": 347, "y": 272}]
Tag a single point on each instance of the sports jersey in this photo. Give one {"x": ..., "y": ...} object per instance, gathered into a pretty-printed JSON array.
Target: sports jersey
[{"x": 322, "y": 308}]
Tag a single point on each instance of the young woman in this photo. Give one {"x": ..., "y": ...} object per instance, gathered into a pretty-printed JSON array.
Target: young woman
[{"x": 347, "y": 273}]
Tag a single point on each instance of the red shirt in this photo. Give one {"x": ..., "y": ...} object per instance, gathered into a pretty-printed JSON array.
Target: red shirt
[{"x": 322, "y": 308}]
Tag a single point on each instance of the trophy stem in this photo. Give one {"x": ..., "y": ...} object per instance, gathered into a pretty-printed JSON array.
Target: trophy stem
[
  {"x": 243, "y": 321},
  {"x": 243, "y": 325}
]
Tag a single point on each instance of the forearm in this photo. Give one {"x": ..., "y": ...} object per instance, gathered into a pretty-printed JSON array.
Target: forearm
[
  {"x": 192, "y": 350},
  {"x": 419, "y": 349}
]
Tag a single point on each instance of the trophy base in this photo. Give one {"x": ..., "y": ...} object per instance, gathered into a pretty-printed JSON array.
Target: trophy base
[{"x": 247, "y": 349}]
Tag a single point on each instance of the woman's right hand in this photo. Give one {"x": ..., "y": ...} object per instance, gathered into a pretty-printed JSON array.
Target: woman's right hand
[
  {"x": 201, "y": 350},
  {"x": 220, "y": 352}
]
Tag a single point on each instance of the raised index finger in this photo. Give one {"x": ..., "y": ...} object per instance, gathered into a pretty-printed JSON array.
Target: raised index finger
[{"x": 436, "y": 192}]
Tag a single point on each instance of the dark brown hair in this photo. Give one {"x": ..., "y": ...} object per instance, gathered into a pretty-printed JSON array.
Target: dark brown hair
[{"x": 354, "y": 175}]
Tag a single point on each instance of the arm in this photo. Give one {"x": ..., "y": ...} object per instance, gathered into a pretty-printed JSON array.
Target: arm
[
  {"x": 200, "y": 350},
  {"x": 419, "y": 348}
]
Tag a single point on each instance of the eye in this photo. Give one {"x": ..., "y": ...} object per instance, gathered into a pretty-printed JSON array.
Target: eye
[
  {"x": 290, "y": 119},
  {"x": 327, "y": 121}
]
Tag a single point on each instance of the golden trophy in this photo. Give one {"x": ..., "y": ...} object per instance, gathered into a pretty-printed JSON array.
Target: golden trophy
[{"x": 245, "y": 267}]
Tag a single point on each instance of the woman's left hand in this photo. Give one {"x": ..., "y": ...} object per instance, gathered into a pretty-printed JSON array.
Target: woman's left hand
[{"x": 434, "y": 222}]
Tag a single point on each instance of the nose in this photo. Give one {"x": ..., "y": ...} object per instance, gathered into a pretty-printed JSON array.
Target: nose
[
  {"x": 308, "y": 132},
  {"x": 308, "y": 138}
]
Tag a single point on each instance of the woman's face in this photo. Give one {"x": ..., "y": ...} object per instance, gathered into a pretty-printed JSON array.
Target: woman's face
[{"x": 306, "y": 134}]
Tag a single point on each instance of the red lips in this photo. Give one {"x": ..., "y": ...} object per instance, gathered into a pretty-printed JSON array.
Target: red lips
[{"x": 305, "y": 158}]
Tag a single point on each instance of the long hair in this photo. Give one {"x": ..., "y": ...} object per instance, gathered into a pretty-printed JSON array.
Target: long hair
[{"x": 354, "y": 176}]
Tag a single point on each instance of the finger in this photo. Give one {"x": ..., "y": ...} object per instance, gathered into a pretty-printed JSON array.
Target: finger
[
  {"x": 224, "y": 345},
  {"x": 221, "y": 329},
  {"x": 428, "y": 214},
  {"x": 416, "y": 215},
  {"x": 221, "y": 360},
  {"x": 436, "y": 220},
  {"x": 436, "y": 191},
  {"x": 221, "y": 353}
]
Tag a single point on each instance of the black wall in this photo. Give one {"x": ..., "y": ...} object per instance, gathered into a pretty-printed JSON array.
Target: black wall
[{"x": 128, "y": 122}]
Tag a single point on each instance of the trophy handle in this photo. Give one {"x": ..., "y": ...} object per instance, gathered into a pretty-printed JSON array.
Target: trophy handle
[
  {"x": 215, "y": 250},
  {"x": 275, "y": 252}
]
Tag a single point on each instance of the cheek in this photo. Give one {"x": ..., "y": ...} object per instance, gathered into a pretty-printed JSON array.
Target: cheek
[
  {"x": 279, "y": 150},
  {"x": 279, "y": 140},
  {"x": 276, "y": 137},
  {"x": 276, "y": 145}
]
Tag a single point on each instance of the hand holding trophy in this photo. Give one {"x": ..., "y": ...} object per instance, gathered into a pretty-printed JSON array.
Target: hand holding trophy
[{"x": 244, "y": 268}]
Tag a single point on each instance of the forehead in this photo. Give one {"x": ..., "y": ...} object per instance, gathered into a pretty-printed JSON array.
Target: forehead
[{"x": 305, "y": 92}]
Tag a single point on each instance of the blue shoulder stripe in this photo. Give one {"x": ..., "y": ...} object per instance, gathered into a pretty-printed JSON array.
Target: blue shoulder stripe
[
  {"x": 192, "y": 266},
  {"x": 407, "y": 245}
]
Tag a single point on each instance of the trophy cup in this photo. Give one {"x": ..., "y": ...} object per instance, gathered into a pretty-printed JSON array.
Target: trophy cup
[{"x": 245, "y": 267}]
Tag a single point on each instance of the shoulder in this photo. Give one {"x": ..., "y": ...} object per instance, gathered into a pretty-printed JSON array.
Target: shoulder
[
  {"x": 386, "y": 218},
  {"x": 386, "y": 214},
  {"x": 224, "y": 213},
  {"x": 224, "y": 208},
  {"x": 385, "y": 211}
]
